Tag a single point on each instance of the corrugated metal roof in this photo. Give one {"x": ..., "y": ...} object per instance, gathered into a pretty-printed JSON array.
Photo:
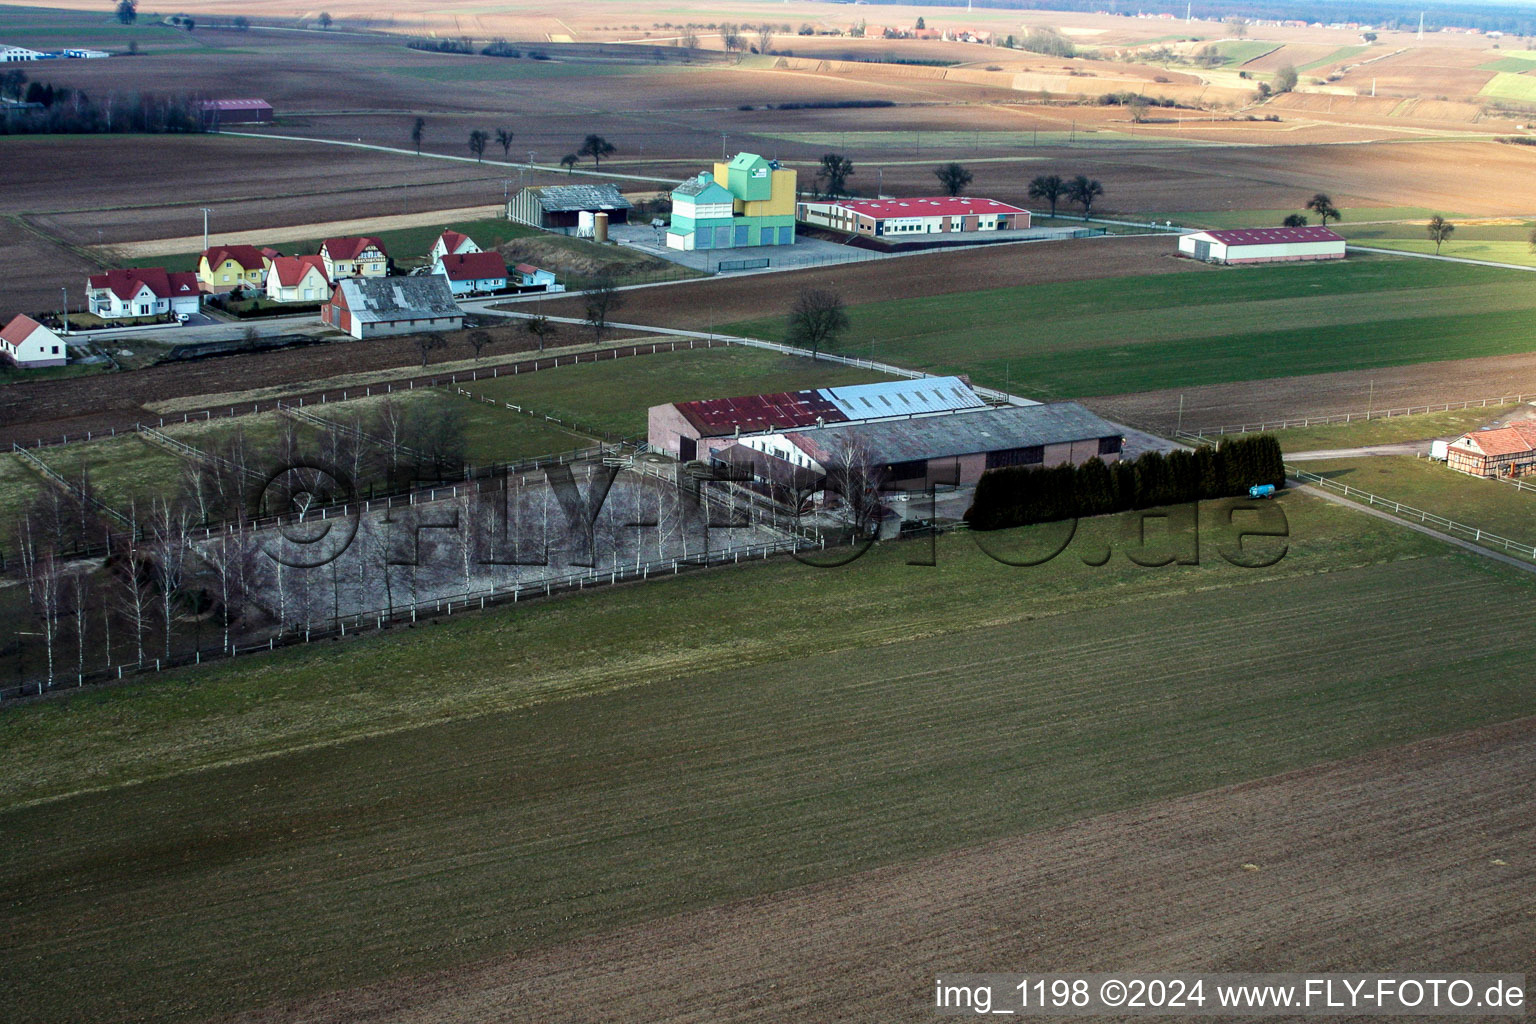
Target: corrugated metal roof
[
  {"x": 571, "y": 198},
  {"x": 717, "y": 417},
  {"x": 903, "y": 397},
  {"x": 964, "y": 433},
  {"x": 386, "y": 299},
  {"x": 1272, "y": 236}
]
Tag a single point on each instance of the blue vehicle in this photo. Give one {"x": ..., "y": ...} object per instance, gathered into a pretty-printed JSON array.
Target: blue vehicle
[{"x": 1261, "y": 491}]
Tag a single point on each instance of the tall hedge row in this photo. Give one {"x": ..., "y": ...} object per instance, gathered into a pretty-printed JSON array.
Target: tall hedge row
[{"x": 1019, "y": 495}]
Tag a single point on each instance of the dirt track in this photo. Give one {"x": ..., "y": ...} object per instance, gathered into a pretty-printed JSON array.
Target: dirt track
[
  {"x": 1325, "y": 394},
  {"x": 1415, "y": 858}
]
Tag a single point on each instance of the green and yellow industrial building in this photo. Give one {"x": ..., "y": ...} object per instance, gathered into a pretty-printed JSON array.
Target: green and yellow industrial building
[{"x": 749, "y": 201}]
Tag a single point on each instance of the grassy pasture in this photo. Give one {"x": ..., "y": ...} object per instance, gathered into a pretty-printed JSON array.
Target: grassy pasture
[
  {"x": 1513, "y": 65},
  {"x": 1140, "y": 334},
  {"x": 1273, "y": 218},
  {"x": 1504, "y": 85},
  {"x": 930, "y": 725},
  {"x": 614, "y": 395},
  {"x": 1485, "y": 504},
  {"x": 1241, "y": 51},
  {"x": 492, "y": 69},
  {"x": 942, "y": 144},
  {"x": 1386, "y": 431},
  {"x": 1497, "y": 243},
  {"x": 1337, "y": 57}
]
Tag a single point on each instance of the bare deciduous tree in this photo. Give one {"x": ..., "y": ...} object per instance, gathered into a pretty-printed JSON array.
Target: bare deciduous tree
[{"x": 816, "y": 319}]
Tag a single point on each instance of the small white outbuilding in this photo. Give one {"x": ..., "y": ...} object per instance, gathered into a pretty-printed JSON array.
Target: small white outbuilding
[
  {"x": 1263, "y": 245},
  {"x": 29, "y": 344}
]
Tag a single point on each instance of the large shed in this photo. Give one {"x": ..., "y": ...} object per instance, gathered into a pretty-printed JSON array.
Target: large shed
[
  {"x": 954, "y": 448},
  {"x": 368, "y": 307},
  {"x": 219, "y": 112},
  {"x": 691, "y": 430},
  {"x": 1263, "y": 245},
  {"x": 560, "y": 207}
]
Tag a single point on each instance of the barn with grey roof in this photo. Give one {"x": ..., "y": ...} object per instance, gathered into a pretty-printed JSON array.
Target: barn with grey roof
[
  {"x": 369, "y": 307},
  {"x": 561, "y": 207}
]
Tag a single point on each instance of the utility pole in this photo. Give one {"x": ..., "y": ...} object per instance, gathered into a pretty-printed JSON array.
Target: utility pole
[
  {"x": 1179, "y": 429},
  {"x": 723, "y": 137},
  {"x": 65, "y": 293},
  {"x": 206, "y": 212},
  {"x": 1421, "y": 26}
]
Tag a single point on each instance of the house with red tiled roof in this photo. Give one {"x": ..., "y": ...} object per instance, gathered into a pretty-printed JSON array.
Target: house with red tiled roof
[
  {"x": 451, "y": 243},
  {"x": 298, "y": 279},
  {"x": 223, "y": 268},
  {"x": 29, "y": 344},
  {"x": 473, "y": 272},
  {"x": 142, "y": 291},
  {"x": 1263, "y": 245},
  {"x": 354, "y": 257},
  {"x": 900, "y": 218},
  {"x": 1497, "y": 451},
  {"x": 534, "y": 278}
]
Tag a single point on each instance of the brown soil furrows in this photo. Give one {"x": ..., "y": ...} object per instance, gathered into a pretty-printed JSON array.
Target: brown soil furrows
[
  {"x": 1415, "y": 858},
  {"x": 1325, "y": 394}
]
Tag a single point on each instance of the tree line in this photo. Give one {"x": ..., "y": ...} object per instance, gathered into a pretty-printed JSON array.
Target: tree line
[
  {"x": 1020, "y": 495},
  {"x": 70, "y": 111}
]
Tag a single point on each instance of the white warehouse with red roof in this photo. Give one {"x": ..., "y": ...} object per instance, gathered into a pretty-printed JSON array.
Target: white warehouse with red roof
[
  {"x": 899, "y": 218},
  {"x": 1263, "y": 245}
]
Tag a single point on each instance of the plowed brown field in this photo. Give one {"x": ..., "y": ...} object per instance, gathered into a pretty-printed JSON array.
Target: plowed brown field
[{"x": 1418, "y": 858}]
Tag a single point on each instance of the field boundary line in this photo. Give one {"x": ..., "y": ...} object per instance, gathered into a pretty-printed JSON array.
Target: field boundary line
[
  {"x": 1352, "y": 417},
  {"x": 1442, "y": 259},
  {"x": 1476, "y": 535}
]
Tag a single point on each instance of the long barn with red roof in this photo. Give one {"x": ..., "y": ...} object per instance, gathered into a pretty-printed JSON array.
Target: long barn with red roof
[{"x": 900, "y": 218}]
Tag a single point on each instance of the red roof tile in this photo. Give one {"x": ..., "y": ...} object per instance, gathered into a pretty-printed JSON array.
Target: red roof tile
[
  {"x": 452, "y": 240},
  {"x": 248, "y": 256},
  {"x": 126, "y": 282},
  {"x": 1515, "y": 439},
  {"x": 19, "y": 329},
  {"x": 290, "y": 270},
  {"x": 350, "y": 248},
  {"x": 474, "y": 266},
  {"x": 928, "y": 206},
  {"x": 1273, "y": 236}
]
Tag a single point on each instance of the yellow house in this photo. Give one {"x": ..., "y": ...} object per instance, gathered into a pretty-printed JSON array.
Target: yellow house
[{"x": 227, "y": 267}]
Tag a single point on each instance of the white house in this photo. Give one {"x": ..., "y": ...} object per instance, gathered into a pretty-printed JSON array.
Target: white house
[
  {"x": 298, "y": 279},
  {"x": 354, "y": 257},
  {"x": 473, "y": 272},
  {"x": 1263, "y": 245},
  {"x": 451, "y": 243},
  {"x": 141, "y": 291},
  {"x": 529, "y": 276},
  {"x": 29, "y": 344},
  {"x": 928, "y": 215},
  {"x": 16, "y": 54}
]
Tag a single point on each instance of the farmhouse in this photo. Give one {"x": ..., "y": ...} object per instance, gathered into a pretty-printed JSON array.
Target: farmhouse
[
  {"x": 451, "y": 243},
  {"x": 297, "y": 279},
  {"x": 1500, "y": 451},
  {"x": 217, "y": 112},
  {"x": 354, "y": 257},
  {"x": 747, "y": 202},
  {"x": 568, "y": 209},
  {"x": 141, "y": 291},
  {"x": 955, "y": 447},
  {"x": 878, "y": 218},
  {"x": 473, "y": 272},
  {"x": 691, "y": 430},
  {"x": 370, "y": 307},
  {"x": 29, "y": 344},
  {"x": 224, "y": 268},
  {"x": 1263, "y": 245}
]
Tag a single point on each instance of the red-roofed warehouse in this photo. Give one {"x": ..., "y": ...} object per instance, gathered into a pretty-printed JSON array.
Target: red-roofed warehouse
[{"x": 1263, "y": 245}]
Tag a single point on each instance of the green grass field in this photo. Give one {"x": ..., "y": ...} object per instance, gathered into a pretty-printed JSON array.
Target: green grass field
[
  {"x": 125, "y": 470},
  {"x": 1241, "y": 51},
  {"x": 1430, "y": 486},
  {"x": 614, "y": 395},
  {"x": 490, "y": 69},
  {"x": 1496, "y": 243},
  {"x": 1139, "y": 334},
  {"x": 1339, "y": 56},
  {"x": 1507, "y": 86},
  {"x": 947, "y": 143},
  {"x": 1513, "y": 65},
  {"x": 1387, "y": 430},
  {"x": 432, "y": 796}
]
